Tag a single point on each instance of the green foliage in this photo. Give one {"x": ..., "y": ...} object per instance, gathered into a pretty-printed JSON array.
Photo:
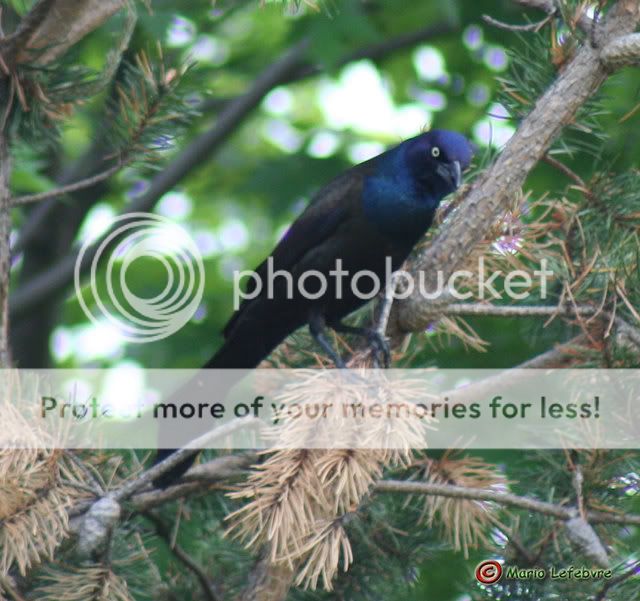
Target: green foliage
[
  {"x": 47, "y": 97},
  {"x": 239, "y": 202},
  {"x": 149, "y": 109}
]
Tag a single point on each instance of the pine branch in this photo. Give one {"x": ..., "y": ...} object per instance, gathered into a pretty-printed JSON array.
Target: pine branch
[
  {"x": 555, "y": 357},
  {"x": 551, "y": 7},
  {"x": 68, "y": 189},
  {"x": 13, "y": 44},
  {"x": 623, "y": 51},
  {"x": 60, "y": 25},
  {"x": 507, "y": 499},
  {"x": 131, "y": 487},
  {"x": 535, "y": 27},
  {"x": 198, "y": 479},
  {"x": 492, "y": 193},
  {"x": 514, "y": 310},
  {"x": 625, "y": 328}
]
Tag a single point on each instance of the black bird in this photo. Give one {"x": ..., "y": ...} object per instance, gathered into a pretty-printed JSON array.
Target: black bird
[
  {"x": 374, "y": 211},
  {"x": 371, "y": 215}
]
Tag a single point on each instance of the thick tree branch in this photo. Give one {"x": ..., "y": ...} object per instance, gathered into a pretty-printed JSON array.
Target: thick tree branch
[
  {"x": 492, "y": 192},
  {"x": 59, "y": 25},
  {"x": 623, "y": 51}
]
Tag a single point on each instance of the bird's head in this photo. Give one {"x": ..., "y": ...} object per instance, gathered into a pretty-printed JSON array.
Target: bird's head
[{"x": 437, "y": 159}]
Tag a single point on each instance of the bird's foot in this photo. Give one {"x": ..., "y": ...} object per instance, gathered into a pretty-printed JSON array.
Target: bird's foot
[
  {"x": 379, "y": 347},
  {"x": 317, "y": 327}
]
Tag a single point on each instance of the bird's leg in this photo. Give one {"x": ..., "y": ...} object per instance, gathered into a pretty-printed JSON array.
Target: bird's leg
[
  {"x": 376, "y": 341},
  {"x": 318, "y": 329}
]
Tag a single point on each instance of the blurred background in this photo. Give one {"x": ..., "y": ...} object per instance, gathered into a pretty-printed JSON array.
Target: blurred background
[{"x": 376, "y": 72}]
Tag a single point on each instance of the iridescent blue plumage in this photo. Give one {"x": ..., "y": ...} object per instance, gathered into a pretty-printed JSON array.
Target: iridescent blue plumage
[{"x": 402, "y": 195}]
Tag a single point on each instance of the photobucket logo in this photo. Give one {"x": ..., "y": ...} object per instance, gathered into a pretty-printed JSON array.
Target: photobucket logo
[
  {"x": 142, "y": 319},
  {"x": 365, "y": 284}
]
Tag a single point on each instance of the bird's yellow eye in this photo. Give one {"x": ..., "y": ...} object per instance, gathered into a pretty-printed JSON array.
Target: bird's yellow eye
[{"x": 435, "y": 152}]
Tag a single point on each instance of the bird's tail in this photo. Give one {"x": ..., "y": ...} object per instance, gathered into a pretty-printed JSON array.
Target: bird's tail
[{"x": 247, "y": 344}]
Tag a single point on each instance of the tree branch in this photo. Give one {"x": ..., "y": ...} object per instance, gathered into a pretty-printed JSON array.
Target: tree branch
[
  {"x": 555, "y": 357},
  {"x": 514, "y": 310},
  {"x": 63, "y": 24},
  {"x": 527, "y": 503},
  {"x": 68, "y": 189},
  {"x": 130, "y": 488},
  {"x": 198, "y": 479},
  {"x": 551, "y": 7},
  {"x": 623, "y": 51},
  {"x": 487, "y": 309},
  {"x": 209, "y": 590},
  {"x": 493, "y": 191},
  {"x": 509, "y": 27},
  {"x": 5, "y": 248}
]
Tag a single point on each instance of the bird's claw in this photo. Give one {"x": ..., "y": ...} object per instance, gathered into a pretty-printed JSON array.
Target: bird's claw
[{"x": 379, "y": 349}]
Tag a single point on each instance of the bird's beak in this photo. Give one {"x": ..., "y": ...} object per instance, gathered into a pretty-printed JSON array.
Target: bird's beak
[
  {"x": 452, "y": 173},
  {"x": 457, "y": 173}
]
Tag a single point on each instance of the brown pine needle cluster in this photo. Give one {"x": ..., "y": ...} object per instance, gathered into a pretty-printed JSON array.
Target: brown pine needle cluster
[
  {"x": 87, "y": 583},
  {"x": 36, "y": 489},
  {"x": 323, "y": 553},
  {"x": 465, "y": 522},
  {"x": 295, "y": 511},
  {"x": 300, "y": 497}
]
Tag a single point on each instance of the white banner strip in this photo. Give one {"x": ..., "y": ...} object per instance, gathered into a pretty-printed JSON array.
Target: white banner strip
[{"x": 261, "y": 409}]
